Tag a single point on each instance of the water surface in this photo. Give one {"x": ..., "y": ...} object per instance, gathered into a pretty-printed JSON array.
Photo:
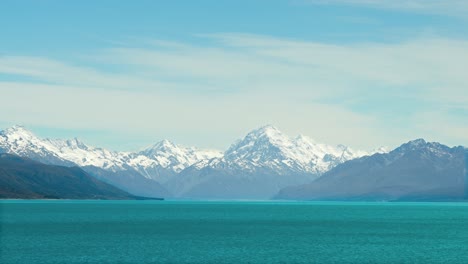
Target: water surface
[{"x": 232, "y": 232}]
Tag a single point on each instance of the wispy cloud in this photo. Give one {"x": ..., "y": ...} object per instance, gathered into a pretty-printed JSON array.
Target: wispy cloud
[
  {"x": 426, "y": 66},
  {"x": 445, "y": 7},
  {"x": 236, "y": 82},
  {"x": 59, "y": 72}
]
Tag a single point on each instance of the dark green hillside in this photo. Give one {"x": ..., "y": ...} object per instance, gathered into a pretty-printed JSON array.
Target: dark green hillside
[{"x": 27, "y": 179}]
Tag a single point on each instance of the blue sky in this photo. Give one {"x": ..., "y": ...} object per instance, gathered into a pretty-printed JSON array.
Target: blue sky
[{"x": 125, "y": 74}]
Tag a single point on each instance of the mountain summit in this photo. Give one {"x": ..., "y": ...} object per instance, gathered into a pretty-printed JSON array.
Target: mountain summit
[
  {"x": 259, "y": 165},
  {"x": 268, "y": 147}
]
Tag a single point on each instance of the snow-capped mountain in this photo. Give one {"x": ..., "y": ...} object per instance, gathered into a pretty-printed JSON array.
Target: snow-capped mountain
[
  {"x": 177, "y": 157},
  {"x": 83, "y": 155},
  {"x": 256, "y": 166},
  {"x": 133, "y": 172},
  {"x": 18, "y": 140},
  {"x": 260, "y": 164},
  {"x": 165, "y": 159},
  {"x": 268, "y": 147}
]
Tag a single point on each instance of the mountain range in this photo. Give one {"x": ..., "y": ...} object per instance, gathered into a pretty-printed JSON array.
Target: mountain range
[
  {"x": 415, "y": 171},
  {"x": 265, "y": 163},
  {"x": 255, "y": 167}
]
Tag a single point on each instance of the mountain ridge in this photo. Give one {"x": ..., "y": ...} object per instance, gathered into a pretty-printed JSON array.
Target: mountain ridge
[
  {"x": 416, "y": 170},
  {"x": 174, "y": 170}
]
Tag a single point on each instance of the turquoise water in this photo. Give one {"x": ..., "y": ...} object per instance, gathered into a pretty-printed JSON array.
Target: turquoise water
[{"x": 232, "y": 232}]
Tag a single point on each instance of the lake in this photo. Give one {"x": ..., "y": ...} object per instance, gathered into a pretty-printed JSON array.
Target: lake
[{"x": 232, "y": 232}]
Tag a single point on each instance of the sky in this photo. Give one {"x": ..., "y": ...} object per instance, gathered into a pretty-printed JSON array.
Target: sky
[{"x": 127, "y": 74}]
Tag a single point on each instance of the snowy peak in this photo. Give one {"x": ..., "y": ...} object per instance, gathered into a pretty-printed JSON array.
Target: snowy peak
[
  {"x": 167, "y": 155},
  {"x": 18, "y": 137},
  {"x": 169, "y": 149},
  {"x": 267, "y": 132},
  {"x": 269, "y": 147},
  {"x": 18, "y": 131},
  {"x": 260, "y": 144},
  {"x": 20, "y": 141},
  {"x": 69, "y": 143},
  {"x": 162, "y": 146},
  {"x": 263, "y": 148}
]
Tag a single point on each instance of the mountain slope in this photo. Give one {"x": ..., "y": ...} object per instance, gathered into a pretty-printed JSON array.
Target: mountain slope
[
  {"x": 130, "y": 181},
  {"x": 24, "y": 178},
  {"x": 258, "y": 166},
  {"x": 19, "y": 141},
  {"x": 417, "y": 170}
]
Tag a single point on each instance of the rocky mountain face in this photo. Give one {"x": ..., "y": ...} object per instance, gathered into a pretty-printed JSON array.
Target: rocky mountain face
[
  {"x": 417, "y": 170},
  {"x": 255, "y": 167}
]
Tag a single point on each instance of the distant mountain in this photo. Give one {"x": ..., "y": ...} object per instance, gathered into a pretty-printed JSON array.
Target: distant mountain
[
  {"x": 258, "y": 166},
  {"x": 19, "y": 141},
  {"x": 129, "y": 180},
  {"x": 138, "y": 173},
  {"x": 165, "y": 154},
  {"x": 268, "y": 147},
  {"x": 27, "y": 179},
  {"x": 417, "y": 170},
  {"x": 255, "y": 167},
  {"x": 164, "y": 160}
]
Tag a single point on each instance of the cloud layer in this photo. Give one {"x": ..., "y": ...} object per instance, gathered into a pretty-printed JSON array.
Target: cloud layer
[
  {"x": 208, "y": 94},
  {"x": 445, "y": 7}
]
